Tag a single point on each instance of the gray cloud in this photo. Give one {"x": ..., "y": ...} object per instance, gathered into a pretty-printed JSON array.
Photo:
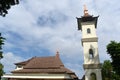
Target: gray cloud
[{"x": 52, "y": 18}]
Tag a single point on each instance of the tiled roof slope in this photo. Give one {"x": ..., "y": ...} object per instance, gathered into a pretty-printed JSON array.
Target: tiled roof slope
[
  {"x": 44, "y": 62},
  {"x": 51, "y": 64},
  {"x": 23, "y": 62}
]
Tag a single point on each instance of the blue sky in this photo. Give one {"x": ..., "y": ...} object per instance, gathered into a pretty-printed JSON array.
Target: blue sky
[{"x": 41, "y": 27}]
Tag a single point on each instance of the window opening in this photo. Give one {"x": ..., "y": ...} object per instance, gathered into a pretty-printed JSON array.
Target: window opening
[
  {"x": 19, "y": 66},
  {"x": 88, "y": 31},
  {"x": 91, "y": 53}
]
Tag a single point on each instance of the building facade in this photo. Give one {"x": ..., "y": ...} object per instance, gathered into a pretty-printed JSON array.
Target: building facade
[{"x": 88, "y": 24}]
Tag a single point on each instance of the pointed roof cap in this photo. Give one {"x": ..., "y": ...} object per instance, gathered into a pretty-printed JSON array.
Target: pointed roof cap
[
  {"x": 86, "y": 11},
  {"x": 57, "y": 53}
]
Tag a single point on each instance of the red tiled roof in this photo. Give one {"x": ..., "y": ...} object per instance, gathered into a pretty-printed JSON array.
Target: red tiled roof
[
  {"x": 23, "y": 62},
  {"x": 51, "y": 64},
  {"x": 44, "y": 62},
  {"x": 52, "y": 70}
]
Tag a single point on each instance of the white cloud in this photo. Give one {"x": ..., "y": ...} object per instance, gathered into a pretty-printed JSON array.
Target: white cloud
[
  {"x": 9, "y": 60},
  {"x": 77, "y": 68}
]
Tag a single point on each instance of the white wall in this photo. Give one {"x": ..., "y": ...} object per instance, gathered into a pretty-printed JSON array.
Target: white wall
[
  {"x": 96, "y": 71},
  {"x": 86, "y": 48},
  {"x": 85, "y": 26}
]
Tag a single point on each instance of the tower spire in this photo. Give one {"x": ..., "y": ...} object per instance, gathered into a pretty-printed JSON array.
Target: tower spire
[{"x": 85, "y": 11}]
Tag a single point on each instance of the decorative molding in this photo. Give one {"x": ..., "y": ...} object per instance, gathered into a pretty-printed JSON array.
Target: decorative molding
[
  {"x": 92, "y": 66},
  {"x": 94, "y": 39}
]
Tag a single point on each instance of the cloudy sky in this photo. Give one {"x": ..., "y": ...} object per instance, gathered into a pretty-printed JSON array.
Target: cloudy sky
[{"x": 41, "y": 27}]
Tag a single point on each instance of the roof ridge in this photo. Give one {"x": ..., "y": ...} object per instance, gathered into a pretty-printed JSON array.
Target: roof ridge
[{"x": 44, "y": 56}]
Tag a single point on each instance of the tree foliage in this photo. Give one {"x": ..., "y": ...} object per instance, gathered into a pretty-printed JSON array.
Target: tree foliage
[
  {"x": 107, "y": 71},
  {"x": 113, "y": 49},
  {"x": 1, "y": 54},
  {"x": 1, "y": 43},
  {"x": 5, "y": 5}
]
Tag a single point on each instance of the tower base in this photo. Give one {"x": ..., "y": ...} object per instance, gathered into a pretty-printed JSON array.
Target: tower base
[{"x": 93, "y": 74}]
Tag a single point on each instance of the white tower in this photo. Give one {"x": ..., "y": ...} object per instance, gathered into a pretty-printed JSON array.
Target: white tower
[{"x": 88, "y": 24}]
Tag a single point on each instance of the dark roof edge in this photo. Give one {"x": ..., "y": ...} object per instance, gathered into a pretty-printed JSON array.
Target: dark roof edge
[{"x": 86, "y": 19}]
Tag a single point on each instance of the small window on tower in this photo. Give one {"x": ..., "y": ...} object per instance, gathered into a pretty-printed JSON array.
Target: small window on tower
[
  {"x": 91, "y": 53},
  {"x": 88, "y": 31}
]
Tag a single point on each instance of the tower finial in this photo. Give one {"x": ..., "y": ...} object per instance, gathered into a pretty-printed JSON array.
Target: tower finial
[
  {"x": 57, "y": 53},
  {"x": 85, "y": 11}
]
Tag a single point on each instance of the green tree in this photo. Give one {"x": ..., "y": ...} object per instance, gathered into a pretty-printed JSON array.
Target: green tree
[
  {"x": 107, "y": 71},
  {"x": 5, "y": 5},
  {"x": 1, "y": 54},
  {"x": 113, "y": 49}
]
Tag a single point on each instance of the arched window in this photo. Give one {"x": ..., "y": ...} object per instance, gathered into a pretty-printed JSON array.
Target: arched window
[
  {"x": 91, "y": 54},
  {"x": 93, "y": 76},
  {"x": 88, "y": 30}
]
